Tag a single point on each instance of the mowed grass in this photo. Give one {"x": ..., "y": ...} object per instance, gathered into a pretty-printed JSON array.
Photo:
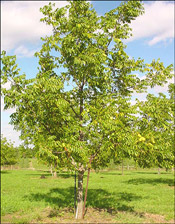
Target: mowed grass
[{"x": 129, "y": 198}]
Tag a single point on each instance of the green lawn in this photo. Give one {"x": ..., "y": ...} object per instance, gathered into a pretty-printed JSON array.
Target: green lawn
[{"x": 131, "y": 198}]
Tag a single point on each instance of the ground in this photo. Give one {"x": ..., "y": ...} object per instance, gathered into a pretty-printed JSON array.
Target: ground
[
  {"x": 139, "y": 196},
  {"x": 49, "y": 215}
]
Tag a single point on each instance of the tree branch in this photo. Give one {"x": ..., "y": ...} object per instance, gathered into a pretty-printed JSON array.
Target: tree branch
[{"x": 72, "y": 107}]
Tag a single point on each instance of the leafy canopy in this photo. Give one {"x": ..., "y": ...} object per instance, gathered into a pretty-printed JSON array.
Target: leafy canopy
[{"x": 93, "y": 120}]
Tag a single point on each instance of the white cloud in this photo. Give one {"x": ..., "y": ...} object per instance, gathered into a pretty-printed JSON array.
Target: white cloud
[
  {"x": 155, "y": 90},
  {"x": 7, "y": 129},
  {"x": 7, "y": 85},
  {"x": 139, "y": 96},
  {"x": 157, "y": 23},
  {"x": 23, "y": 51},
  {"x": 8, "y": 132},
  {"x": 8, "y": 111},
  {"x": 20, "y": 24},
  {"x": 163, "y": 89}
]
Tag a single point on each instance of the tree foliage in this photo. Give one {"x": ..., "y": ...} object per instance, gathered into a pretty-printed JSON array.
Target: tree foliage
[
  {"x": 9, "y": 153},
  {"x": 25, "y": 151},
  {"x": 155, "y": 146}
]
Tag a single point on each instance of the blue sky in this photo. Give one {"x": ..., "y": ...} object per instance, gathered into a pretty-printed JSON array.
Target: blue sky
[{"x": 153, "y": 37}]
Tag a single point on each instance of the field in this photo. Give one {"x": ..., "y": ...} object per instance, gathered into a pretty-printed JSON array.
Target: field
[{"x": 138, "y": 196}]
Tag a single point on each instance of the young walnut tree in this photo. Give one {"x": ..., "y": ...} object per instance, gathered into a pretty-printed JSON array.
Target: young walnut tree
[{"x": 84, "y": 126}]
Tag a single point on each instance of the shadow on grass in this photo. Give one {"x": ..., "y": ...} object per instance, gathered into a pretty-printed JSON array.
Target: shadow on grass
[
  {"x": 153, "y": 181},
  {"x": 152, "y": 172},
  {"x": 56, "y": 197},
  {"x": 102, "y": 199},
  {"x": 65, "y": 175},
  {"x": 115, "y": 174},
  {"x": 68, "y": 175},
  {"x": 97, "y": 198},
  {"x": 47, "y": 173},
  {"x": 40, "y": 174},
  {"x": 5, "y": 172}
]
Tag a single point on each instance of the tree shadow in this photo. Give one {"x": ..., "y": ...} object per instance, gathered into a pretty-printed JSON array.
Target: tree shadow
[
  {"x": 39, "y": 174},
  {"x": 153, "y": 181},
  {"x": 5, "y": 172},
  {"x": 65, "y": 175},
  {"x": 56, "y": 197},
  {"x": 98, "y": 199},
  {"x": 116, "y": 174},
  {"x": 48, "y": 173},
  {"x": 102, "y": 199},
  {"x": 68, "y": 175},
  {"x": 152, "y": 172}
]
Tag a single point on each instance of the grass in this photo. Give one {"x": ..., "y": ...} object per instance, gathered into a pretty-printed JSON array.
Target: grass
[{"x": 135, "y": 197}]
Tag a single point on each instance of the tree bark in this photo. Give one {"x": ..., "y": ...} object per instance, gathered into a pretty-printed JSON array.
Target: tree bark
[
  {"x": 86, "y": 192},
  {"x": 122, "y": 168},
  {"x": 75, "y": 194},
  {"x": 55, "y": 174},
  {"x": 128, "y": 166},
  {"x": 158, "y": 171},
  {"x": 79, "y": 211},
  {"x": 51, "y": 171}
]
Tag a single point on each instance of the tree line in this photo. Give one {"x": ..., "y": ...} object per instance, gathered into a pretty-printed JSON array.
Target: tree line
[{"x": 11, "y": 155}]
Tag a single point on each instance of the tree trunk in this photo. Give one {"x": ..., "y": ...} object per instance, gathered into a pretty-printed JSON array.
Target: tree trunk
[
  {"x": 158, "y": 170},
  {"x": 51, "y": 171},
  {"x": 55, "y": 174},
  {"x": 122, "y": 168},
  {"x": 128, "y": 166},
  {"x": 85, "y": 197},
  {"x": 79, "y": 211},
  {"x": 75, "y": 193}
]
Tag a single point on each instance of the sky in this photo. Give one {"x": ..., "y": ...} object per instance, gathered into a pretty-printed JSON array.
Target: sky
[{"x": 21, "y": 29}]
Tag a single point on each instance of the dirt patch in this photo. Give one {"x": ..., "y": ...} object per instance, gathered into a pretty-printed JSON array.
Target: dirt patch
[
  {"x": 66, "y": 215},
  {"x": 7, "y": 218},
  {"x": 154, "y": 218},
  {"x": 93, "y": 215}
]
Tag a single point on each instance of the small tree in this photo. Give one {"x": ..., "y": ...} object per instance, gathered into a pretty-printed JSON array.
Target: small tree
[
  {"x": 87, "y": 125},
  {"x": 9, "y": 153}
]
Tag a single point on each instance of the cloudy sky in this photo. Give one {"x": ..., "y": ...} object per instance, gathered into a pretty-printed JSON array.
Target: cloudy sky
[{"x": 21, "y": 29}]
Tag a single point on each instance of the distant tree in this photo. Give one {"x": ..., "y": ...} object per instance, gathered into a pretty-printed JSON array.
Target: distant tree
[
  {"x": 87, "y": 125},
  {"x": 9, "y": 154},
  {"x": 49, "y": 160},
  {"x": 25, "y": 151}
]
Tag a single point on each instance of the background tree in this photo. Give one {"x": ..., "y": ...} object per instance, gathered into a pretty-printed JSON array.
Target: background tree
[
  {"x": 82, "y": 127},
  {"x": 25, "y": 151},
  {"x": 9, "y": 153}
]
